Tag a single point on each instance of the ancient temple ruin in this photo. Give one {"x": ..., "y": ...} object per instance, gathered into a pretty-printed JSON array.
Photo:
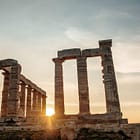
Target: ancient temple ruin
[
  {"x": 23, "y": 105},
  {"x": 113, "y": 111},
  {"x": 21, "y": 98}
]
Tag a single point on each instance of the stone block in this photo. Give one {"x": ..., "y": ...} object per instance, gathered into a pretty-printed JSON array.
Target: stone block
[
  {"x": 105, "y": 43},
  {"x": 91, "y": 52},
  {"x": 69, "y": 53}
]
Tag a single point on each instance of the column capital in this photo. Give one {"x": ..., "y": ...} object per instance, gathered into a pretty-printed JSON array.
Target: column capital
[{"x": 57, "y": 60}]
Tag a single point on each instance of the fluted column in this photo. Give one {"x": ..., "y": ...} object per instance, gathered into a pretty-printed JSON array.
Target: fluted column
[
  {"x": 59, "y": 91},
  {"x": 109, "y": 79},
  {"x": 43, "y": 105},
  {"x": 35, "y": 102},
  {"x": 5, "y": 94},
  {"x": 22, "y": 97},
  {"x": 28, "y": 107},
  {"x": 13, "y": 94},
  {"x": 39, "y": 102},
  {"x": 83, "y": 85}
]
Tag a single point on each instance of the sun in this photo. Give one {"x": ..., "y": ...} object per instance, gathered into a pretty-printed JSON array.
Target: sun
[{"x": 49, "y": 111}]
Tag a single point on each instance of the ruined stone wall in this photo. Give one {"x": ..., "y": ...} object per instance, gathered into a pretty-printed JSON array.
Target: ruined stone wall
[
  {"x": 109, "y": 79},
  {"x": 15, "y": 88}
]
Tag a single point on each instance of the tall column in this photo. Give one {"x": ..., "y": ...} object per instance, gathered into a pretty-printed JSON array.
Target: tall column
[
  {"x": 5, "y": 94},
  {"x": 22, "y": 98},
  {"x": 83, "y": 85},
  {"x": 39, "y": 102},
  {"x": 28, "y": 108},
  {"x": 13, "y": 94},
  {"x": 43, "y": 105},
  {"x": 109, "y": 79},
  {"x": 59, "y": 91},
  {"x": 35, "y": 102}
]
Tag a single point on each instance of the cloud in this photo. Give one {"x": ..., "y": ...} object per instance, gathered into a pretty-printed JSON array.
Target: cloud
[
  {"x": 83, "y": 37},
  {"x": 126, "y": 57}
]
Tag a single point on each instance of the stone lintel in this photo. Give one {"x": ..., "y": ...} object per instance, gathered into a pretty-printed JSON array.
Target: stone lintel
[
  {"x": 91, "y": 52},
  {"x": 105, "y": 43},
  {"x": 31, "y": 84},
  {"x": 69, "y": 53}
]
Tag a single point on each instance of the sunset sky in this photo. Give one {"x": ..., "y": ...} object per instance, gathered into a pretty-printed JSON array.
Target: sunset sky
[{"x": 32, "y": 31}]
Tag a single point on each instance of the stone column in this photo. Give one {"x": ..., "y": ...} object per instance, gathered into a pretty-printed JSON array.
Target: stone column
[
  {"x": 43, "y": 105},
  {"x": 5, "y": 94},
  {"x": 28, "y": 107},
  {"x": 109, "y": 79},
  {"x": 22, "y": 98},
  {"x": 39, "y": 102},
  {"x": 13, "y": 95},
  {"x": 83, "y": 85},
  {"x": 59, "y": 91},
  {"x": 35, "y": 102}
]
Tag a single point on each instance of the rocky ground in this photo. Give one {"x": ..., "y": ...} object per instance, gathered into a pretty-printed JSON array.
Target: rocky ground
[
  {"x": 83, "y": 134},
  {"x": 90, "y": 134},
  {"x": 30, "y": 135}
]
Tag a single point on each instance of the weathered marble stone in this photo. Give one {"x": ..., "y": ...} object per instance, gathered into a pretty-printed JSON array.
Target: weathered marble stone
[
  {"x": 5, "y": 94},
  {"x": 59, "y": 91},
  {"x": 69, "y": 53},
  {"x": 83, "y": 85},
  {"x": 15, "y": 103},
  {"x": 109, "y": 78},
  {"x": 91, "y": 52},
  {"x": 28, "y": 107},
  {"x": 22, "y": 97}
]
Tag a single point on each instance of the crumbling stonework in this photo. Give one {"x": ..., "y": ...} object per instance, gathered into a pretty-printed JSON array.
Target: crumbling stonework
[
  {"x": 23, "y": 106},
  {"x": 109, "y": 80},
  {"x": 107, "y": 122},
  {"x": 15, "y": 88}
]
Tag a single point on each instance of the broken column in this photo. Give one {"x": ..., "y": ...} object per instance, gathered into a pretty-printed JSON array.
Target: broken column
[
  {"x": 5, "y": 94},
  {"x": 59, "y": 91},
  {"x": 13, "y": 105},
  {"x": 83, "y": 85},
  {"x": 109, "y": 79}
]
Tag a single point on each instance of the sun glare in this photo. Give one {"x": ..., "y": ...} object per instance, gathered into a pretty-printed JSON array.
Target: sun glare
[{"x": 49, "y": 111}]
